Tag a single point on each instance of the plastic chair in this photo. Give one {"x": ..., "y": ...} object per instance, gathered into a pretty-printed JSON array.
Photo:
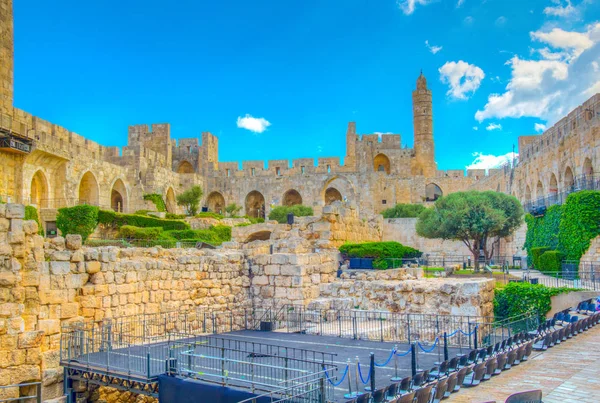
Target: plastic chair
[
  {"x": 405, "y": 385},
  {"x": 407, "y": 398},
  {"x": 460, "y": 378},
  {"x": 364, "y": 398},
  {"x": 379, "y": 395},
  {"x": 440, "y": 390},
  {"x": 475, "y": 377},
  {"x": 490, "y": 368},
  {"x": 423, "y": 395},
  {"x": 451, "y": 384},
  {"x": 392, "y": 391},
  {"x": 530, "y": 396}
]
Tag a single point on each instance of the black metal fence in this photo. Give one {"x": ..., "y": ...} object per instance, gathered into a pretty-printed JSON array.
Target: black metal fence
[
  {"x": 582, "y": 182},
  {"x": 587, "y": 280},
  {"x": 23, "y": 392}
]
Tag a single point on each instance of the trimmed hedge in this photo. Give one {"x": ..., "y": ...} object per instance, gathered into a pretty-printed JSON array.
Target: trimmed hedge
[
  {"x": 209, "y": 214},
  {"x": 157, "y": 200},
  {"x": 280, "y": 213},
  {"x": 519, "y": 298},
  {"x": 580, "y": 223},
  {"x": 80, "y": 220},
  {"x": 550, "y": 261},
  {"x": 215, "y": 235},
  {"x": 131, "y": 232},
  {"x": 535, "y": 255},
  {"x": 543, "y": 231},
  {"x": 403, "y": 211},
  {"x": 117, "y": 220},
  {"x": 31, "y": 213},
  {"x": 378, "y": 250}
]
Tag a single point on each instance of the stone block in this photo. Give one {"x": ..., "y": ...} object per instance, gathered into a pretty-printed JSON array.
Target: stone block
[
  {"x": 73, "y": 241},
  {"x": 60, "y": 255},
  {"x": 49, "y": 326},
  {"x": 272, "y": 270},
  {"x": 293, "y": 270},
  {"x": 60, "y": 267},
  {"x": 53, "y": 296},
  {"x": 14, "y": 210},
  {"x": 16, "y": 237},
  {"x": 30, "y": 227},
  {"x": 7, "y": 279},
  {"x": 93, "y": 267},
  {"x": 4, "y": 224},
  {"x": 24, "y": 373},
  {"x": 260, "y": 280},
  {"x": 30, "y": 339}
]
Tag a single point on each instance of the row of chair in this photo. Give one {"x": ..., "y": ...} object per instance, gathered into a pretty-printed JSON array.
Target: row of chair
[{"x": 469, "y": 370}]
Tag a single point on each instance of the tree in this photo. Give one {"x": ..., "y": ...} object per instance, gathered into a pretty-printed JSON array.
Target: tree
[
  {"x": 190, "y": 199},
  {"x": 80, "y": 220},
  {"x": 478, "y": 219},
  {"x": 403, "y": 211},
  {"x": 232, "y": 209}
]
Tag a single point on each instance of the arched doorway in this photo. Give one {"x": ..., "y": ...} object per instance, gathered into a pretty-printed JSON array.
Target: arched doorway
[
  {"x": 255, "y": 204},
  {"x": 170, "y": 201},
  {"x": 88, "y": 189},
  {"x": 569, "y": 180},
  {"x": 39, "y": 190},
  {"x": 587, "y": 167},
  {"x": 539, "y": 190},
  {"x": 118, "y": 196},
  {"x": 432, "y": 192},
  {"x": 332, "y": 195},
  {"x": 553, "y": 189},
  {"x": 216, "y": 203},
  {"x": 185, "y": 168},
  {"x": 291, "y": 198},
  {"x": 381, "y": 163},
  {"x": 527, "y": 194}
]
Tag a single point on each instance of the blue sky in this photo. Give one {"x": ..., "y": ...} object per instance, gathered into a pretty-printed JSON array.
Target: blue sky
[{"x": 306, "y": 68}]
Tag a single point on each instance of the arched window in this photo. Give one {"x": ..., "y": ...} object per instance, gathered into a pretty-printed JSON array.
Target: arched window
[
  {"x": 291, "y": 198},
  {"x": 185, "y": 168},
  {"x": 539, "y": 190},
  {"x": 381, "y": 163},
  {"x": 432, "y": 192},
  {"x": 569, "y": 180},
  {"x": 88, "y": 189},
  {"x": 255, "y": 204},
  {"x": 332, "y": 195},
  {"x": 527, "y": 194}
]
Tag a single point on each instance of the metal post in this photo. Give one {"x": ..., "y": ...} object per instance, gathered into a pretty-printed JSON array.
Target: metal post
[
  {"x": 475, "y": 337},
  {"x": 38, "y": 393},
  {"x": 469, "y": 331},
  {"x": 223, "y": 365},
  {"x": 413, "y": 359},
  {"x": 408, "y": 325},
  {"x": 148, "y": 364},
  {"x": 445, "y": 346},
  {"x": 395, "y": 378},
  {"x": 350, "y": 395},
  {"x": 356, "y": 377},
  {"x": 128, "y": 359},
  {"x": 322, "y": 396},
  {"x": 214, "y": 323},
  {"x": 372, "y": 372},
  {"x": 354, "y": 324},
  {"x": 381, "y": 327}
]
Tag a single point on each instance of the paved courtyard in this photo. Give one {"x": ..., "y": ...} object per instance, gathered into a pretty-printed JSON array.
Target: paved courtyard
[{"x": 569, "y": 372}]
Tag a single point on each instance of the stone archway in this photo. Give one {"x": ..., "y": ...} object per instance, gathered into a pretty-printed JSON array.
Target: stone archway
[
  {"x": 527, "y": 194},
  {"x": 553, "y": 189},
  {"x": 381, "y": 163},
  {"x": 291, "y": 198},
  {"x": 118, "y": 196},
  {"x": 216, "y": 203},
  {"x": 185, "y": 168},
  {"x": 170, "y": 201},
  {"x": 89, "y": 192},
  {"x": 255, "y": 204},
  {"x": 539, "y": 190},
  {"x": 432, "y": 192},
  {"x": 38, "y": 194},
  {"x": 332, "y": 195},
  {"x": 588, "y": 169},
  {"x": 569, "y": 180}
]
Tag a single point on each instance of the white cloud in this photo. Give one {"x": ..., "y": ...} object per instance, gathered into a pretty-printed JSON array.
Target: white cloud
[
  {"x": 408, "y": 6},
  {"x": 483, "y": 161},
  {"x": 493, "y": 126},
  {"x": 459, "y": 3},
  {"x": 561, "y": 11},
  {"x": 469, "y": 20},
  {"x": 475, "y": 128},
  {"x": 256, "y": 125},
  {"x": 463, "y": 78},
  {"x": 432, "y": 48},
  {"x": 379, "y": 134},
  {"x": 500, "y": 21},
  {"x": 549, "y": 84},
  {"x": 539, "y": 127}
]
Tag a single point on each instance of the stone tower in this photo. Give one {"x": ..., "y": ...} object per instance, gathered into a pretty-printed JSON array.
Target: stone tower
[
  {"x": 423, "y": 129},
  {"x": 350, "y": 159},
  {"x": 6, "y": 56}
]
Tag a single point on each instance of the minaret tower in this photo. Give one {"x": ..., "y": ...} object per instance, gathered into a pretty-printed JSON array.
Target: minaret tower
[
  {"x": 6, "y": 57},
  {"x": 423, "y": 129}
]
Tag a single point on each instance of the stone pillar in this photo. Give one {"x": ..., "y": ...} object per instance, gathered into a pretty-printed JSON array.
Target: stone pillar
[
  {"x": 423, "y": 129},
  {"x": 6, "y": 57},
  {"x": 350, "y": 160}
]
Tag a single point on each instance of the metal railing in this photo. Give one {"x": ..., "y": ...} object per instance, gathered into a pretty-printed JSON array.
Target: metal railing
[
  {"x": 581, "y": 182},
  {"x": 24, "y": 392},
  {"x": 310, "y": 389},
  {"x": 588, "y": 279}
]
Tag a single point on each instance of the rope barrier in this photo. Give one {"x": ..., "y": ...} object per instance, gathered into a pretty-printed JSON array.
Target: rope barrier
[
  {"x": 469, "y": 334},
  {"x": 360, "y": 374},
  {"x": 437, "y": 339},
  {"x": 453, "y": 333},
  {"x": 388, "y": 360},
  {"x": 341, "y": 380},
  {"x": 404, "y": 354}
]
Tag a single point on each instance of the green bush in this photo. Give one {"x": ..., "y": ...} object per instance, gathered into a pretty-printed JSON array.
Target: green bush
[
  {"x": 117, "y": 220},
  {"x": 378, "y": 250},
  {"x": 209, "y": 214},
  {"x": 580, "y": 223},
  {"x": 157, "y": 200},
  {"x": 543, "y": 231},
  {"x": 131, "y": 232},
  {"x": 550, "y": 261},
  {"x": 172, "y": 216},
  {"x": 280, "y": 213},
  {"x": 80, "y": 220},
  {"x": 215, "y": 235},
  {"x": 31, "y": 213},
  {"x": 190, "y": 199},
  {"x": 403, "y": 211},
  {"x": 142, "y": 212},
  {"x": 519, "y": 298},
  {"x": 535, "y": 255},
  {"x": 255, "y": 220}
]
